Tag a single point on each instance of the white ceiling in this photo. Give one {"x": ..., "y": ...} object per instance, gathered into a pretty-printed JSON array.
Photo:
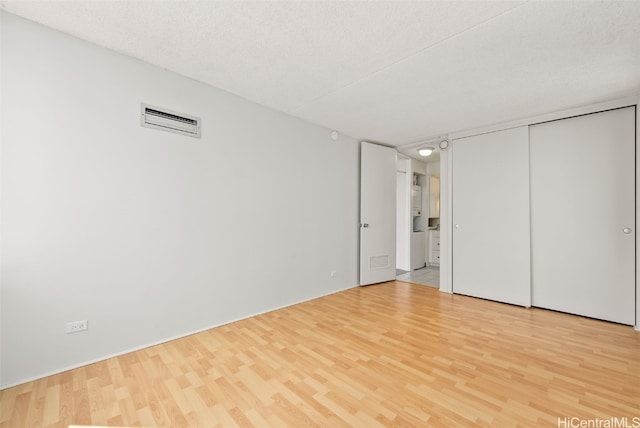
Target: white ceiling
[{"x": 394, "y": 72}]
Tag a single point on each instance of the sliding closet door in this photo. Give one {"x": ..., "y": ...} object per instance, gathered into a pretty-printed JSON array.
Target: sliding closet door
[
  {"x": 583, "y": 215},
  {"x": 491, "y": 249}
]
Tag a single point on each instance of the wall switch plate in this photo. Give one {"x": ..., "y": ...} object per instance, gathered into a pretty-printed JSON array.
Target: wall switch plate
[
  {"x": 76, "y": 326},
  {"x": 334, "y": 272}
]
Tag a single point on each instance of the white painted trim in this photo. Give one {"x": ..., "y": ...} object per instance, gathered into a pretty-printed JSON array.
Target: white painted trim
[
  {"x": 159, "y": 342},
  {"x": 1, "y": 116},
  {"x": 560, "y": 114},
  {"x": 446, "y": 219},
  {"x": 433, "y": 140},
  {"x": 637, "y": 326}
]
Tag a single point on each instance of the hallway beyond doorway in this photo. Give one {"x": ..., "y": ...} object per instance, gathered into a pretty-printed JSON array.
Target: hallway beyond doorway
[{"x": 428, "y": 275}]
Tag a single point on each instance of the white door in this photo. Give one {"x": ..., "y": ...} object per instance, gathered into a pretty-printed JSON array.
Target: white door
[
  {"x": 377, "y": 214},
  {"x": 491, "y": 251},
  {"x": 583, "y": 215}
]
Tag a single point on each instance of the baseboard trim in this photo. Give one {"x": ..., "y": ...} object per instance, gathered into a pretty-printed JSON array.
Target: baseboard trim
[{"x": 160, "y": 342}]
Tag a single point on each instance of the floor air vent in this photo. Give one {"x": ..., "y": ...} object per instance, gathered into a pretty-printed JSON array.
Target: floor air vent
[{"x": 167, "y": 120}]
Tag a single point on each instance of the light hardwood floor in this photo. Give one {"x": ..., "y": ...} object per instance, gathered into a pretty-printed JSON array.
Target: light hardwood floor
[{"x": 393, "y": 354}]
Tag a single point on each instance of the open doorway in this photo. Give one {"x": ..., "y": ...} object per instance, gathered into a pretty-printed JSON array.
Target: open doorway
[{"x": 418, "y": 221}]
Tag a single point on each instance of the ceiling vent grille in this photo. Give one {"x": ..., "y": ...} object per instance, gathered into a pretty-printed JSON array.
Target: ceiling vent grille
[{"x": 167, "y": 120}]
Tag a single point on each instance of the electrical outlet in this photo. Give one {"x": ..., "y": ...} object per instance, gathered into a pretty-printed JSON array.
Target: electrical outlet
[
  {"x": 334, "y": 272},
  {"x": 76, "y": 326}
]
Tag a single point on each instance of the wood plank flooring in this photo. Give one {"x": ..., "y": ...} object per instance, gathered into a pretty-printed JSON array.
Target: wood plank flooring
[{"x": 393, "y": 354}]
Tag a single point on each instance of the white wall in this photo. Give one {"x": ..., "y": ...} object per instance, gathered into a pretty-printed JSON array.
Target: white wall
[
  {"x": 433, "y": 168},
  {"x": 151, "y": 235},
  {"x": 418, "y": 167}
]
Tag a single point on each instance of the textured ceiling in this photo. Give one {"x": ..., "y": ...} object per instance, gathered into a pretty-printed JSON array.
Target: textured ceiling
[{"x": 394, "y": 72}]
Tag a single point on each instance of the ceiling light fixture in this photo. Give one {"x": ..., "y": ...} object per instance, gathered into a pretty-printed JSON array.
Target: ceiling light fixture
[{"x": 425, "y": 151}]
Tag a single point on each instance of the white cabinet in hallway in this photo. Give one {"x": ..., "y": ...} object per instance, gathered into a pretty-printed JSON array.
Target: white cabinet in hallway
[
  {"x": 434, "y": 197},
  {"x": 434, "y": 247}
]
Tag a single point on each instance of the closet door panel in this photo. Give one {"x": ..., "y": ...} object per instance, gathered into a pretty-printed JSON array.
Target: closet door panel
[
  {"x": 491, "y": 247},
  {"x": 583, "y": 215}
]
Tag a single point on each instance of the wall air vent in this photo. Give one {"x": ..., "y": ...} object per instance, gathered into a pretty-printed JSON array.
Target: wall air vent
[{"x": 167, "y": 120}]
